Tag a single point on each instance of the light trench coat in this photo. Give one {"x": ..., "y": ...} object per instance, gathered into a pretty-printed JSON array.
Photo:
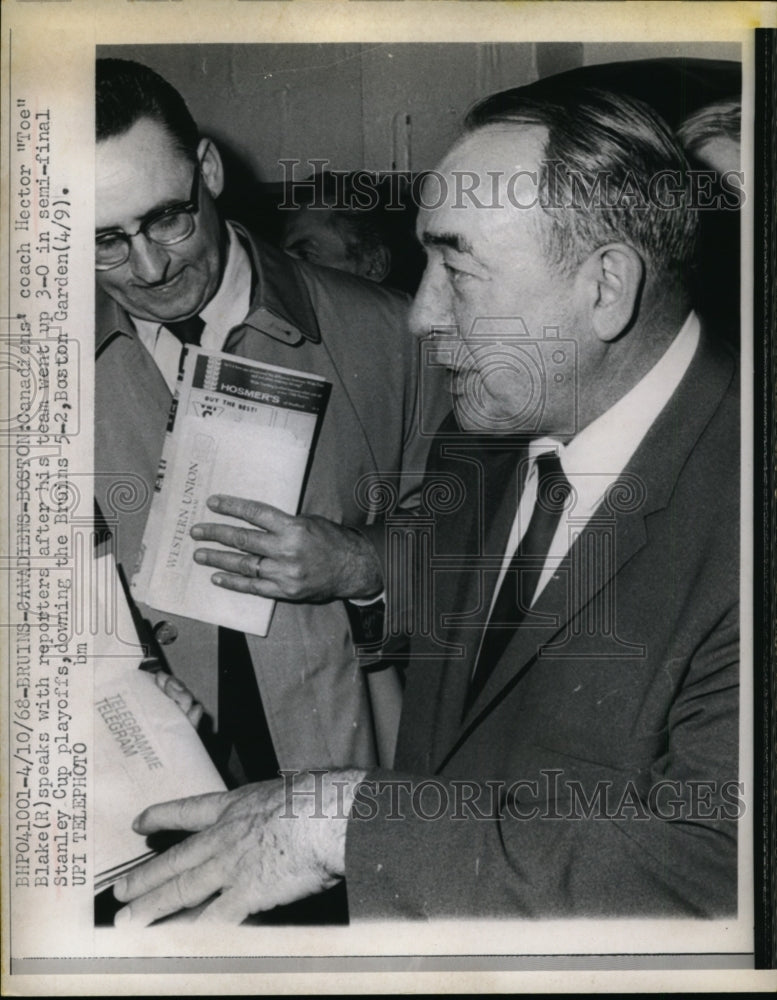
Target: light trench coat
[{"x": 354, "y": 334}]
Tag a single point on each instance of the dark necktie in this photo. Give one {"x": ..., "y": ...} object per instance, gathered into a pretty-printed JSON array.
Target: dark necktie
[
  {"x": 515, "y": 595},
  {"x": 188, "y": 331}
]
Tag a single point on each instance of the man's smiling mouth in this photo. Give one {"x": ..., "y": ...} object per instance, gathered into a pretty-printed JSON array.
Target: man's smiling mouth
[{"x": 163, "y": 286}]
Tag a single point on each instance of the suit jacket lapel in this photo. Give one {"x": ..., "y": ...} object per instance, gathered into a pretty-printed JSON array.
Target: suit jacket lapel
[
  {"x": 491, "y": 469},
  {"x": 645, "y": 487}
]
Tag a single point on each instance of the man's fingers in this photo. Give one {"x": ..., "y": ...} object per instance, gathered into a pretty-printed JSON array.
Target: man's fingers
[
  {"x": 189, "y": 888},
  {"x": 260, "y": 543},
  {"x": 249, "y": 574},
  {"x": 261, "y": 515},
  {"x": 231, "y": 907},
  {"x": 194, "y": 813},
  {"x": 248, "y": 585},
  {"x": 171, "y": 686},
  {"x": 239, "y": 563},
  {"x": 181, "y": 858},
  {"x": 181, "y": 696}
]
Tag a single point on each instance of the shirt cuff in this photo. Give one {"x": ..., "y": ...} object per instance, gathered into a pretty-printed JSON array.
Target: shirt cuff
[{"x": 366, "y": 602}]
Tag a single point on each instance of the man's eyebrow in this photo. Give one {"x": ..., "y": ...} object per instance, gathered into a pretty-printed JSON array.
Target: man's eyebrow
[{"x": 453, "y": 240}]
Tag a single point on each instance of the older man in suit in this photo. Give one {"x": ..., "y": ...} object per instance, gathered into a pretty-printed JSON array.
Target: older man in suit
[{"x": 569, "y": 737}]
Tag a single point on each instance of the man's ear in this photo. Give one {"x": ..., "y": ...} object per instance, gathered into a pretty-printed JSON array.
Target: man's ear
[
  {"x": 376, "y": 264},
  {"x": 211, "y": 167},
  {"x": 613, "y": 276}
]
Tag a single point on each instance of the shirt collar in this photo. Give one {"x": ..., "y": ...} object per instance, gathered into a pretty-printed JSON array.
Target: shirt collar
[
  {"x": 599, "y": 453},
  {"x": 231, "y": 302},
  {"x": 227, "y": 307},
  {"x": 280, "y": 308}
]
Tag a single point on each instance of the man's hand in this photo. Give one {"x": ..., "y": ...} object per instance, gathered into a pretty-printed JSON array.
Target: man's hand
[
  {"x": 178, "y": 692},
  {"x": 305, "y": 558},
  {"x": 259, "y": 846}
]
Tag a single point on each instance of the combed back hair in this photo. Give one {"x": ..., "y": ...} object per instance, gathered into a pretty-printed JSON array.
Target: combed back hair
[
  {"x": 127, "y": 91},
  {"x": 716, "y": 120},
  {"x": 610, "y": 167}
]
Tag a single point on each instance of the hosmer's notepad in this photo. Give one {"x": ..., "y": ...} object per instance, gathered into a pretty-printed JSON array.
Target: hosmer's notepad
[{"x": 236, "y": 427}]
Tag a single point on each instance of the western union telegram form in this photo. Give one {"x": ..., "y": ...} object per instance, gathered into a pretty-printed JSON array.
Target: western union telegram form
[{"x": 236, "y": 427}]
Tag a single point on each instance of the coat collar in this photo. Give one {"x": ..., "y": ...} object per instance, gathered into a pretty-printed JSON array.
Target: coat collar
[{"x": 280, "y": 307}]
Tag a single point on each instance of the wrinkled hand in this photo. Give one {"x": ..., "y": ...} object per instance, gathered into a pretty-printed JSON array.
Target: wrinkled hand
[
  {"x": 258, "y": 846},
  {"x": 304, "y": 558},
  {"x": 178, "y": 692}
]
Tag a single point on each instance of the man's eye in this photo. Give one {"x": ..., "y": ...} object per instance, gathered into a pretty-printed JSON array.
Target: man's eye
[
  {"x": 302, "y": 251},
  {"x": 110, "y": 241},
  {"x": 170, "y": 224},
  {"x": 454, "y": 274}
]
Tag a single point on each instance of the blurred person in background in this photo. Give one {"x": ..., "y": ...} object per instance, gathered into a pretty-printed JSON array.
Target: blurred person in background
[{"x": 344, "y": 221}]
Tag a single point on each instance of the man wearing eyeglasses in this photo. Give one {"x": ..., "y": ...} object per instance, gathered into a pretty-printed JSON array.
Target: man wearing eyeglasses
[{"x": 171, "y": 271}]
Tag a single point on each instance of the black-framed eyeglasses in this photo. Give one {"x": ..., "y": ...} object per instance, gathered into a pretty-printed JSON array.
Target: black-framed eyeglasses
[{"x": 166, "y": 227}]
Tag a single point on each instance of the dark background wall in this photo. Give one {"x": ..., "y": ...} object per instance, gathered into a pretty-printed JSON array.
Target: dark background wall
[
  {"x": 377, "y": 107},
  {"x": 397, "y": 107}
]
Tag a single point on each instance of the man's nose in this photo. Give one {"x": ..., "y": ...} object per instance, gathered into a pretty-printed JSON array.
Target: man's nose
[
  {"x": 430, "y": 309},
  {"x": 149, "y": 261}
]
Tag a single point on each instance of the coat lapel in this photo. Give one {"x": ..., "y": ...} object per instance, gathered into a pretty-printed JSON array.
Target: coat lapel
[{"x": 491, "y": 469}]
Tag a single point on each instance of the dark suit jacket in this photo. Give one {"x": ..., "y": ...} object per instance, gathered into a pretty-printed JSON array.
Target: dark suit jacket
[{"x": 595, "y": 773}]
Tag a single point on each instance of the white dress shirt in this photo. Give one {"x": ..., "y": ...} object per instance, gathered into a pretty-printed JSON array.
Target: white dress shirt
[
  {"x": 227, "y": 309},
  {"x": 594, "y": 459}
]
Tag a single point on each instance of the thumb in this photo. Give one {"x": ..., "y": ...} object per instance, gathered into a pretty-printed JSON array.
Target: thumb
[{"x": 194, "y": 813}]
